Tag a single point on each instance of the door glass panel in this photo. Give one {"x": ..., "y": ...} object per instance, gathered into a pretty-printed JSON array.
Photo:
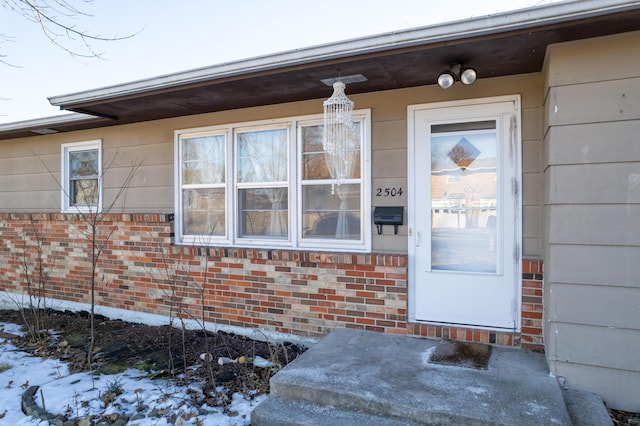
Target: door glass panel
[{"x": 464, "y": 205}]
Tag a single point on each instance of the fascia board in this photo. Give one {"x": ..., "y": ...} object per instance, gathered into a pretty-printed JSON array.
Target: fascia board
[
  {"x": 554, "y": 13},
  {"x": 46, "y": 122}
]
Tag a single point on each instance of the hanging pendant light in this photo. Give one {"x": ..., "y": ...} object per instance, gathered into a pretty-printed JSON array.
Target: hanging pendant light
[{"x": 338, "y": 124}]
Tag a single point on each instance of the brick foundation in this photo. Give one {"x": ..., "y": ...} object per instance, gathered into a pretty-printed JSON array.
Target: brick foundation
[
  {"x": 289, "y": 291},
  {"x": 531, "y": 330}
]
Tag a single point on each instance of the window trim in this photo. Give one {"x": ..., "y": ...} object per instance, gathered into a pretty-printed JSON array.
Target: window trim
[
  {"x": 294, "y": 186},
  {"x": 65, "y": 188},
  {"x": 365, "y": 197},
  {"x": 178, "y": 187}
]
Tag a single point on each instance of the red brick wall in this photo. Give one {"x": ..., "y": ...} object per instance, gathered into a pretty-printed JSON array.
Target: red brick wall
[
  {"x": 532, "y": 305},
  {"x": 288, "y": 291}
]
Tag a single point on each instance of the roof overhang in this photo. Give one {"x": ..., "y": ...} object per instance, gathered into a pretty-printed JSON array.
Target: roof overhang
[
  {"x": 496, "y": 45},
  {"x": 50, "y": 125}
]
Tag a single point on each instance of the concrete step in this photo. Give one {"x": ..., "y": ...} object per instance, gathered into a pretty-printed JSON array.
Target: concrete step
[
  {"x": 390, "y": 377},
  {"x": 287, "y": 412},
  {"x": 586, "y": 408}
]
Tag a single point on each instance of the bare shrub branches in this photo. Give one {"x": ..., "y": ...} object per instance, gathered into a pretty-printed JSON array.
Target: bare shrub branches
[
  {"x": 57, "y": 22},
  {"x": 98, "y": 230},
  {"x": 37, "y": 260}
]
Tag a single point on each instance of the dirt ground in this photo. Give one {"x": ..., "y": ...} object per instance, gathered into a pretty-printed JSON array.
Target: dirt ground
[
  {"x": 163, "y": 350},
  {"x": 170, "y": 351}
]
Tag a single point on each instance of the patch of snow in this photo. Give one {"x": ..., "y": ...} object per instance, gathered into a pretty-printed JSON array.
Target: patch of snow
[
  {"x": 426, "y": 356},
  {"x": 79, "y": 395},
  {"x": 11, "y": 328}
]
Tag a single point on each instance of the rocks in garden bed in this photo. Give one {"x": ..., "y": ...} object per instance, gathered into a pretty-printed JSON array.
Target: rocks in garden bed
[{"x": 30, "y": 408}]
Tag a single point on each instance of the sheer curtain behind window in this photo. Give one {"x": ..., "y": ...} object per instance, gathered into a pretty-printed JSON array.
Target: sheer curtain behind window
[
  {"x": 264, "y": 160},
  {"x": 203, "y": 185},
  {"x": 345, "y": 165}
]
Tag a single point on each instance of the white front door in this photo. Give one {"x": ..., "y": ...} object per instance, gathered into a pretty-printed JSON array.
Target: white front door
[{"x": 464, "y": 213}]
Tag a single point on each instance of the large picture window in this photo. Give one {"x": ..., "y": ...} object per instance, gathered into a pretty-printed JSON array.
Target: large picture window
[
  {"x": 82, "y": 177},
  {"x": 272, "y": 185}
]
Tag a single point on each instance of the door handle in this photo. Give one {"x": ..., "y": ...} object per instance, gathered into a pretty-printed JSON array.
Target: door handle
[{"x": 417, "y": 238}]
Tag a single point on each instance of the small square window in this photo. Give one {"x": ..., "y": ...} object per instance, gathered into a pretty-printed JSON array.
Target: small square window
[{"x": 82, "y": 177}]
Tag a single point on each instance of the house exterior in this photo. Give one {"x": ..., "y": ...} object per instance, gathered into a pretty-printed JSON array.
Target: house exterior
[{"x": 520, "y": 192}]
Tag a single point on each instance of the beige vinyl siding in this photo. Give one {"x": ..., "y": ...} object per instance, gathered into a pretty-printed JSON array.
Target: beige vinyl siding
[
  {"x": 592, "y": 216},
  {"x": 582, "y": 264},
  {"x": 582, "y": 144},
  {"x": 28, "y": 188},
  {"x": 25, "y": 184},
  {"x": 610, "y": 307}
]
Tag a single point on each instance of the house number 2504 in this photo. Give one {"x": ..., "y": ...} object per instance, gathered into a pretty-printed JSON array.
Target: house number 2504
[{"x": 388, "y": 192}]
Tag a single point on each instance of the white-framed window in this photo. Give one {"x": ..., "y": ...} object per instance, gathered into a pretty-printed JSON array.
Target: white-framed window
[
  {"x": 262, "y": 182},
  {"x": 270, "y": 184},
  {"x": 82, "y": 177},
  {"x": 203, "y": 177}
]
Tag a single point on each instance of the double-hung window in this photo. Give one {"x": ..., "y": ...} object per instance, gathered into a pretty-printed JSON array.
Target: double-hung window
[
  {"x": 82, "y": 177},
  {"x": 262, "y": 181},
  {"x": 203, "y": 177},
  {"x": 271, "y": 184},
  {"x": 331, "y": 204}
]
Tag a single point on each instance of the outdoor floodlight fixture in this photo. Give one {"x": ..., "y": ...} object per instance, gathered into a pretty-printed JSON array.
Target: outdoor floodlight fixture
[{"x": 457, "y": 72}]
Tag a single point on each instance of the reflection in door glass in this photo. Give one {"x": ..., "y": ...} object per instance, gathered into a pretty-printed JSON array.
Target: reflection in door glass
[{"x": 464, "y": 208}]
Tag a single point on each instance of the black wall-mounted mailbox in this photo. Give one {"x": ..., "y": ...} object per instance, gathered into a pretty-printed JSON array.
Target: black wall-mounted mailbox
[{"x": 388, "y": 216}]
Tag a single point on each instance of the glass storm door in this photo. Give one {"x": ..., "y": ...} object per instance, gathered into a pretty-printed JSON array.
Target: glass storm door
[{"x": 464, "y": 257}]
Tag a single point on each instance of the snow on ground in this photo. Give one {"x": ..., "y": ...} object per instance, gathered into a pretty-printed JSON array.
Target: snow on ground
[{"x": 83, "y": 394}]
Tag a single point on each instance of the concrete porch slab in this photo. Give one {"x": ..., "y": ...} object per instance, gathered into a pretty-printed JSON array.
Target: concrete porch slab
[{"x": 389, "y": 376}]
